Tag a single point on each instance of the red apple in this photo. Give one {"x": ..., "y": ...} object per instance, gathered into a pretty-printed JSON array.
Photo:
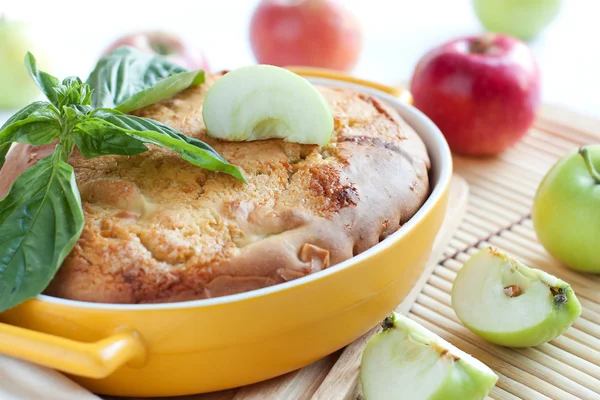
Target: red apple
[
  {"x": 482, "y": 92},
  {"x": 314, "y": 33},
  {"x": 166, "y": 44}
]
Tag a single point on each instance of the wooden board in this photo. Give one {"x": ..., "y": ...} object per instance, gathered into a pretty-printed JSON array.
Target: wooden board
[{"x": 498, "y": 214}]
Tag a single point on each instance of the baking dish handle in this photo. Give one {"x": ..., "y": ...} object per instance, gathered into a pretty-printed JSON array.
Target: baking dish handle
[
  {"x": 402, "y": 94},
  {"x": 93, "y": 360}
]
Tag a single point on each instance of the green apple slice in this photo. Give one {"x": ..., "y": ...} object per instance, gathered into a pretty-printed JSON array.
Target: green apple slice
[
  {"x": 266, "y": 102},
  {"x": 407, "y": 361},
  {"x": 510, "y": 304}
]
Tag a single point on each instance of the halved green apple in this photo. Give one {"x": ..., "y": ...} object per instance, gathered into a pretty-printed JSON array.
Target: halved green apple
[
  {"x": 265, "y": 102},
  {"x": 407, "y": 361},
  {"x": 510, "y": 304}
]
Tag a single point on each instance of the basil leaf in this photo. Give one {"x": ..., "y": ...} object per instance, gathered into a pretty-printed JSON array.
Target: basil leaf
[
  {"x": 4, "y": 148},
  {"x": 124, "y": 72},
  {"x": 46, "y": 82},
  {"x": 38, "y": 125},
  {"x": 116, "y": 118},
  {"x": 25, "y": 112},
  {"x": 76, "y": 111},
  {"x": 149, "y": 131},
  {"x": 40, "y": 221},
  {"x": 72, "y": 91},
  {"x": 162, "y": 90},
  {"x": 93, "y": 139}
]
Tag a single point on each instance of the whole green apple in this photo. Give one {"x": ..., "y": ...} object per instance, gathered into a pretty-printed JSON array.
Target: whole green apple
[
  {"x": 566, "y": 210},
  {"x": 524, "y": 19},
  {"x": 16, "y": 87}
]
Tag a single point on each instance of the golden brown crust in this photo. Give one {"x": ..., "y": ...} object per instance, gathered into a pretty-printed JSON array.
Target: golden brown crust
[{"x": 158, "y": 229}]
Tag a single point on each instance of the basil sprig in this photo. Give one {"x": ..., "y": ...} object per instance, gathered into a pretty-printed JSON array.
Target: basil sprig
[{"x": 41, "y": 217}]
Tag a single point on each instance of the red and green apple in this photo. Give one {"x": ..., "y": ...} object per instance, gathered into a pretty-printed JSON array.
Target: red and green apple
[
  {"x": 481, "y": 91},
  {"x": 314, "y": 33}
]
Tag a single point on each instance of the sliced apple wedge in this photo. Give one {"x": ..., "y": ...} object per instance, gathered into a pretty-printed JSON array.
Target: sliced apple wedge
[
  {"x": 266, "y": 102},
  {"x": 407, "y": 361},
  {"x": 510, "y": 304}
]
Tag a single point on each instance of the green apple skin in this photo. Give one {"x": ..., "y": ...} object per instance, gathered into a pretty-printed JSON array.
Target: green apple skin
[
  {"x": 552, "y": 325},
  {"x": 17, "y": 88},
  {"x": 523, "y": 19},
  {"x": 466, "y": 382},
  {"x": 405, "y": 346},
  {"x": 566, "y": 211}
]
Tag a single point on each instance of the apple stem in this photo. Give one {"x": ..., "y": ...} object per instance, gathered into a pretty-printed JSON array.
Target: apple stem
[
  {"x": 482, "y": 44},
  {"x": 585, "y": 153}
]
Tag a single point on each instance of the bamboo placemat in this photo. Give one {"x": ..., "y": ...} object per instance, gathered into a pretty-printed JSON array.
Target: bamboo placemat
[{"x": 498, "y": 214}]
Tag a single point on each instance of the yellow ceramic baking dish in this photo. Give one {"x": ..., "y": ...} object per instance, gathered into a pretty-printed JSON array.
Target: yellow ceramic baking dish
[{"x": 205, "y": 345}]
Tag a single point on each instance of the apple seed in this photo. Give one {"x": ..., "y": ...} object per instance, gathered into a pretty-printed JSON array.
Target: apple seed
[
  {"x": 512, "y": 291},
  {"x": 445, "y": 353}
]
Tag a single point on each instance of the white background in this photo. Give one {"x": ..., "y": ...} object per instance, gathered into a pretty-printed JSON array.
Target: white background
[{"x": 397, "y": 33}]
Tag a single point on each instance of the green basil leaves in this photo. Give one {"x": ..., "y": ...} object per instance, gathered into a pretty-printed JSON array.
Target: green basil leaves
[
  {"x": 41, "y": 217},
  {"x": 93, "y": 140},
  {"x": 162, "y": 90},
  {"x": 46, "y": 82},
  {"x": 149, "y": 131},
  {"x": 127, "y": 80},
  {"x": 40, "y": 221},
  {"x": 37, "y": 124}
]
